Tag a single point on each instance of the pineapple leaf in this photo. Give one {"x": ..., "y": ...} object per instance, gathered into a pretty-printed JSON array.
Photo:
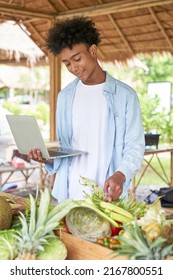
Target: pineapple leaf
[
  {"x": 167, "y": 251},
  {"x": 24, "y": 230},
  {"x": 49, "y": 228},
  {"x": 38, "y": 233},
  {"x": 43, "y": 208},
  {"x": 58, "y": 208},
  {"x": 58, "y": 216},
  {"x": 158, "y": 242},
  {"x": 32, "y": 222}
]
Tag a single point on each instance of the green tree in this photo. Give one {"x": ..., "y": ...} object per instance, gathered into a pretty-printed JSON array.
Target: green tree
[
  {"x": 13, "y": 108},
  {"x": 157, "y": 68}
]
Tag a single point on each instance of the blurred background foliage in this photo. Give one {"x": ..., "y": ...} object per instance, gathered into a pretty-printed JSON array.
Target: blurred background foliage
[{"x": 137, "y": 73}]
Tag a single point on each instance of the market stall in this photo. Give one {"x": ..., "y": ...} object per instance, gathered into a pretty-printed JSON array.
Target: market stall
[{"x": 84, "y": 230}]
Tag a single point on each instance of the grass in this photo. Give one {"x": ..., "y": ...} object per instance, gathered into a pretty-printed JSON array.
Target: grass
[{"x": 150, "y": 178}]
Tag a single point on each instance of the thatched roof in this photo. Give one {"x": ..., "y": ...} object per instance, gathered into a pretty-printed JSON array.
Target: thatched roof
[
  {"x": 16, "y": 45},
  {"x": 127, "y": 27}
]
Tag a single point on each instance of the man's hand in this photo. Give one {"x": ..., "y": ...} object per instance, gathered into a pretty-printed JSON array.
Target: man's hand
[
  {"x": 113, "y": 186},
  {"x": 36, "y": 155}
]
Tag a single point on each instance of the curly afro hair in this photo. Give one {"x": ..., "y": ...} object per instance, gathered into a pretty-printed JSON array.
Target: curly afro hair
[{"x": 67, "y": 33}]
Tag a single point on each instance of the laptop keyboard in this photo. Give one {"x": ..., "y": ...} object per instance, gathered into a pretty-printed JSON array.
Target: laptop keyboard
[{"x": 54, "y": 153}]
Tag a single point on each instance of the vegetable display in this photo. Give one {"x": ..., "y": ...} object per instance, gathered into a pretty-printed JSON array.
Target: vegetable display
[
  {"x": 126, "y": 227},
  {"x": 34, "y": 233},
  {"x": 116, "y": 212},
  {"x": 138, "y": 246}
]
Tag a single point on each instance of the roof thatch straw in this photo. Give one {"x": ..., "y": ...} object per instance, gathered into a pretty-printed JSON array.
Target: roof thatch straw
[
  {"x": 127, "y": 27},
  {"x": 15, "y": 44}
]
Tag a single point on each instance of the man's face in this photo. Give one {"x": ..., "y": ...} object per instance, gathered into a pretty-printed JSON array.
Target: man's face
[{"x": 81, "y": 61}]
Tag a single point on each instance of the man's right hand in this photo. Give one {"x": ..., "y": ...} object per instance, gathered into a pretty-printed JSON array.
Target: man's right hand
[{"x": 35, "y": 154}]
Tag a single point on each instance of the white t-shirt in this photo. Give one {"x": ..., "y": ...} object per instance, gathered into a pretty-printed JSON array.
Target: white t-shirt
[{"x": 88, "y": 122}]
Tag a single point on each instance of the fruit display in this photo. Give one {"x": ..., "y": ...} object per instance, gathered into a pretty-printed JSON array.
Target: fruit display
[
  {"x": 31, "y": 235},
  {"x": 124, "y": 227}
]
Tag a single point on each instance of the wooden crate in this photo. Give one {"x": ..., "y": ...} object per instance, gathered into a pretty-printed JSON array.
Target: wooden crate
[{"x": 80, "y": 249}]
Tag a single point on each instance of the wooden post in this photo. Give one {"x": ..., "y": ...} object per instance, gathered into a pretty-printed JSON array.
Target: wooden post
[{"x": 55, "y": 87}]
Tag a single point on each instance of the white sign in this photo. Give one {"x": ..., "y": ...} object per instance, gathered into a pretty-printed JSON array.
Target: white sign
[{"x": 163, "y": 91}]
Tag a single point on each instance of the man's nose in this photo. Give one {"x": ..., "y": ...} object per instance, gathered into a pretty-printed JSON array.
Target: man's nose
[{"x": 74, "y": 68}]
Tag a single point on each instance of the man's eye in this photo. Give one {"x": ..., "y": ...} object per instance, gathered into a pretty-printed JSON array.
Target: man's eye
[{"x": 78, "y": 59}]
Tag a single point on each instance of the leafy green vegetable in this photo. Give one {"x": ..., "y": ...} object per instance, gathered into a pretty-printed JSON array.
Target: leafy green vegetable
[
  {"x": 136, "y": 208},
  {"x": 154, "y": 213},
  {"x": 85, "y": 223},
  {"x": 55, "y": 249},
  {"x": 8, "y": 244}
]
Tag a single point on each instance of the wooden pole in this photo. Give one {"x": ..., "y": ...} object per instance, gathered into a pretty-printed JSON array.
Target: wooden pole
[{"x": 55, "y": 87}]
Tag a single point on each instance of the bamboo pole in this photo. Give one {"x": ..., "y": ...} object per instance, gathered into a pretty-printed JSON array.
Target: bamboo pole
[{"x": 161, "y": 28}]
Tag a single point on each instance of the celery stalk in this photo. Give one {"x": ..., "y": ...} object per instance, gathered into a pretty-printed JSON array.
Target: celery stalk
[
  {"x": 117, "y": 209},
  {"x": 88, "y": 203}
]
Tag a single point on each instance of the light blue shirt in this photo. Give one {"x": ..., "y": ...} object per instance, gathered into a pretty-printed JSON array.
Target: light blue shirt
[{"x": 124, "y": 135}]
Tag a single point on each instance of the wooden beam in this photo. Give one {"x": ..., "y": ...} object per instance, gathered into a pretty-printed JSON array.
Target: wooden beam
[
  {"x": 113, "y": 7},
  {"x": 25, "y": 21},
  {"x": 16, "y": 11},
  {"x": 53, "y": 6},
  {"x": 100, "y": 9},
  {"x": 33, "y": 28},
  {"x": 63, "y": 5},
  {"x": 137, "y": 49},
  {"x": 115, "y": 24},
  {"x": 161, "y": 28}
]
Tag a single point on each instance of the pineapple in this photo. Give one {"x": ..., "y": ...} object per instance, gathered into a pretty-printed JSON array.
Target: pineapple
[
  {"x": 153, "y": 230},
  {"x": 36, "y": 232},
  {"x": 138, "y": 247}
]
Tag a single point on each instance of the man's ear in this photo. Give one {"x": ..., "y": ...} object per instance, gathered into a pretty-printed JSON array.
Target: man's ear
[{"x": 93, "y": 51}]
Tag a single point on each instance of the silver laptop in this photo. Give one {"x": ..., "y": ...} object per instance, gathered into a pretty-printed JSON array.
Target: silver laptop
[{"x": 27, "y": 135}]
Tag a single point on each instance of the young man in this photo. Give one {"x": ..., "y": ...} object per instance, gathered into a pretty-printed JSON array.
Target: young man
[{"x": 95, "y": 113}]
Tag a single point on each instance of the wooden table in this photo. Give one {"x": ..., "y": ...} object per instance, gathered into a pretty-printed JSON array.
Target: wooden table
[
  {"x": 26, "y": 173},
  {"x": 148, "y": 156}
]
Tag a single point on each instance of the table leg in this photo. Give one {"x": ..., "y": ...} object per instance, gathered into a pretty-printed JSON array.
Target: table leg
[{"x": 171, "y": 170}]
